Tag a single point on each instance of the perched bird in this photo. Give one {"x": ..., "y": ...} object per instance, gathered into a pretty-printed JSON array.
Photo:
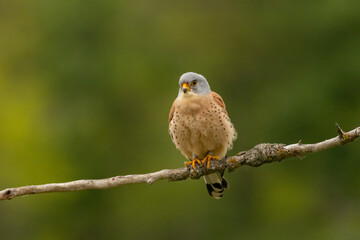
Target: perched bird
[{"x": 200, "y": 127}]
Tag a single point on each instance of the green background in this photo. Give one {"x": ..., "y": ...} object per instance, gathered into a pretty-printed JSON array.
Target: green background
[{"x": 85, "y": 91}]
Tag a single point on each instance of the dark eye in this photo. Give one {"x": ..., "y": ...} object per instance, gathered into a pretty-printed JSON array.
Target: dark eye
[{"x": 193, "y": 83}]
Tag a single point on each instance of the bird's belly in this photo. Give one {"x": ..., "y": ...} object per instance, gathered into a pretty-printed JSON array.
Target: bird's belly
[{"x": 197, "y": 133}]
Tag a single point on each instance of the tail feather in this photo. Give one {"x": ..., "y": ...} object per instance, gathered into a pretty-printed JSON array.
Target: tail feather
[{"x": 215, "y": 185}]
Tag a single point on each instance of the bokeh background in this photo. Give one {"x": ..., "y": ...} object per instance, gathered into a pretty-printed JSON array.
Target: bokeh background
[{"x": 85, "y": 90}]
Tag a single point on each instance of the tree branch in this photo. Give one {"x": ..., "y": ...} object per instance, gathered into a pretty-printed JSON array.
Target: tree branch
[{"x": 255, "y": 157}]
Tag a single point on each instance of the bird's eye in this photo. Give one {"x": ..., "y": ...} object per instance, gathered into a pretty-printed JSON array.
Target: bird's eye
[{"x": 193, "y": 83}]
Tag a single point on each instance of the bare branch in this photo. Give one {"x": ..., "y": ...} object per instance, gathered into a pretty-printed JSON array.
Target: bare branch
[{"x": 257, "y": 156}]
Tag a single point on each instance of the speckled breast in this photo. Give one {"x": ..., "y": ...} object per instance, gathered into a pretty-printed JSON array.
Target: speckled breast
[{"x": 200, "y": 126}]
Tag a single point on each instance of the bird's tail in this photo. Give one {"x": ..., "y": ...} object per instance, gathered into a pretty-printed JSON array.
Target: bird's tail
[{"x": 215, "y": 184}]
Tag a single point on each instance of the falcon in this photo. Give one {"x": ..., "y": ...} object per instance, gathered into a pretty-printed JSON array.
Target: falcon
[{"x": 200, "y": 128}]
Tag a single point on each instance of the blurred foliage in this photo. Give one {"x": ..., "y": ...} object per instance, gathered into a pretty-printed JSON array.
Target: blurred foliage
[{"x": 85, "y": 90}]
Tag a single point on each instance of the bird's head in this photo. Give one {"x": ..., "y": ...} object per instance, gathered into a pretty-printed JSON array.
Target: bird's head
[{"x": 193, "y": 83}]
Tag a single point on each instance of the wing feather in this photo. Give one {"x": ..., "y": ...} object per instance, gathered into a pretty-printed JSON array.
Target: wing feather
[
  {"x": 217, "y": 98},
  {"x": 172, "y": 111}
]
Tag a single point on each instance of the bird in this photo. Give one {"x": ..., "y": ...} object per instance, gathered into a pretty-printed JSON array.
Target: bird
[{"x": 201, "y": 129}]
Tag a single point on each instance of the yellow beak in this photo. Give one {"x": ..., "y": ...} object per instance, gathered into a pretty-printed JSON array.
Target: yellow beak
[{"x": 185, "y": 87}]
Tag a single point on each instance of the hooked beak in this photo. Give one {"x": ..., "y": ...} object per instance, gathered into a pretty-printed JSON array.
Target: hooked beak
[{"x": 185, "y": 87}]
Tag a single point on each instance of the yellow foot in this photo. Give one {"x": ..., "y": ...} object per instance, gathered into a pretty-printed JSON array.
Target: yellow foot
[
  {"x": 193, "y": 162},
  {"x": 208, "y": 158}
]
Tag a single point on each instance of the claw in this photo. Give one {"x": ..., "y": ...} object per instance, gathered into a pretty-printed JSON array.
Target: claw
[
  {"x": 208, "y": 158},
  {"x": 193, "y": 162}
]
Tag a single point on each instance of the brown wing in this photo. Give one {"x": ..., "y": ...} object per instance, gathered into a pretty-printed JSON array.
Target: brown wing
[
  {"x": 217, "y": 98},
  {"x": 172, "y": 110}
]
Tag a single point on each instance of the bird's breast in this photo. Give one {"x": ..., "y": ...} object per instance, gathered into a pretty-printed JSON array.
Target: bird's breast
[{"x": 199, "y": 125}]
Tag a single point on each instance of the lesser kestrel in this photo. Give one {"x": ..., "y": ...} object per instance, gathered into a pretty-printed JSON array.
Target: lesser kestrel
[{"x": 200, "y": 127}]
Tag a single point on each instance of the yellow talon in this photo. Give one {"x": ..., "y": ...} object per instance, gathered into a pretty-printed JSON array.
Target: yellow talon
[
  {"x": 208, "y": 158},
  {"x": 193, "y": 162}
]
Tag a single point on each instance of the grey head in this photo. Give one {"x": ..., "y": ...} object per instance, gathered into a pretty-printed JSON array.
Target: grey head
[{"x": 193, "y": 83}]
